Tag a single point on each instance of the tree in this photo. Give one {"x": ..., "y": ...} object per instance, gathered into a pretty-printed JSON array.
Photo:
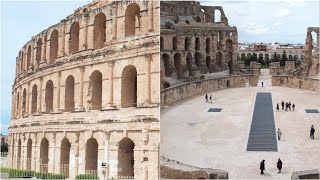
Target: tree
[{"x": 283, "y": 58}]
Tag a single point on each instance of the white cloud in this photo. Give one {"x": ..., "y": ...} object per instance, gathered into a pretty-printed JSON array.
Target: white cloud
[
  {"x": 253, "y": 28},
  {"x": 282, "y": 13},
  {"x": 277, "y": 23},
  {"x": 3, "y": 127}
]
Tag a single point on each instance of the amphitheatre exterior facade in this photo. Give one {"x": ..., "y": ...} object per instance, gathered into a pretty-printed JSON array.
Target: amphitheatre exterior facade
[{"x": 86, "y": 92}]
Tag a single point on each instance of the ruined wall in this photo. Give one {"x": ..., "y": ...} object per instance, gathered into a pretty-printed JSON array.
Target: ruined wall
[
  {"x": 296, "y": 82},
  {"x": 194, "y": 42},
  {"x": 311, "y": 53},
  {"x": 179, "y": 92}
]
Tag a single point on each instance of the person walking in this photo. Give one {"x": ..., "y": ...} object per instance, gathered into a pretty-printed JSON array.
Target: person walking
[
  {"x": 262, "y": 83},
  {"x": 211, "y": 98},
  {"x": 206, "y": 98},
  {"x": 312, "y": 130},
  {"x": 293, "y": 106},
  {"x": 278, "y": 106},
  {"x": 279, "y": 165},
  {"x": 262, "y": 167},
  {"x": 279, "y": 134},
  {"x": 289, "y": 105},
  {"x": 282, "y": 105}
]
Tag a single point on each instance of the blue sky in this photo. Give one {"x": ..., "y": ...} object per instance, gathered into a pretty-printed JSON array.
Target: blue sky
[
  {"x": 20, "y": 20},
  {"x": 270, "y": 21},
  {"x": 257, "y": 21}
]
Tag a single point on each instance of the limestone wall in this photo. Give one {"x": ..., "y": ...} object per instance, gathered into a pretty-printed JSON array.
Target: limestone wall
[
  {"x": 296, "y": 82},
  {"x": 185, "y": 90}
]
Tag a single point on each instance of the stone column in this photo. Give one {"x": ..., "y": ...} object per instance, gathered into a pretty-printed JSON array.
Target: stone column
[
  {"x": 58, "y": 92},
  {"x": 40, "y": 96},
  {"x": 111, "y": 67},
  {"x": 44, "y": 49},
  {"x": 53, "y": 158},
  {"x": 148, "y": 77},
  {"x": 28, "y": 109},
  {"x": 20, "y": 101},
  {"x": 76, "y": 161},
  {"x": 106, "y": 153},
  {"x": 114, "y": 21},
  {"x": 150, "y": 16},
  {"x": 85, "y": 46},
  {"x": 82, "y": 69}
]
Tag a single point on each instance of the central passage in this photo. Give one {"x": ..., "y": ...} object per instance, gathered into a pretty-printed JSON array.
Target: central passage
[{"x": 262, "y": 135}]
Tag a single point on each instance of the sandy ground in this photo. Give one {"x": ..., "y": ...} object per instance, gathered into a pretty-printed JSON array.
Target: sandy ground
[{"x": 196, "y": 137}]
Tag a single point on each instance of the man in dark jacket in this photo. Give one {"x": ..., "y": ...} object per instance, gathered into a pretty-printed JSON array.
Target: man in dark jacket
[
  {"x": 312, "y": 130},
  {"x": 282, "y": 105},
  {"x": 279, "y": 165},
  {"x": 262, "y": 166}
]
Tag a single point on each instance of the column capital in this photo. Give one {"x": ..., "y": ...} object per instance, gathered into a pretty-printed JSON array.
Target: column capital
[{"x": 148, "y": 56}]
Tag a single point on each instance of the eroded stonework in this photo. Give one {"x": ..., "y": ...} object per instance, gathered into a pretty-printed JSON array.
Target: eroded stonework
[{"x": 87, "y": 92}]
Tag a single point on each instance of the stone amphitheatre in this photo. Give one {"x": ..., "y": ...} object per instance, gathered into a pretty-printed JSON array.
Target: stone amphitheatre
[
  {"x": 229, "y": 137},
  {"x": 86, "y": 92}
]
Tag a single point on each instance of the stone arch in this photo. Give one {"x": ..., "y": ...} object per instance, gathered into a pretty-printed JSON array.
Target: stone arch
[
  {"x": 177, "y": 64},
  {"x": 166, "y": 62},
  {"x": 91, "y": 159},
  {"x": 229, "y": 44},
  {"x": 126, "y": 157},
  {"x": 65, "y": 156},
  {"x": 161, "y": 43},
  {"x": 44, "y": 155},
  {"x": 228, "y": 83},
  {"x": 99, "y": 36},
  {"x": 39, "y": 49},
  {"x": 317, "y": 69},
  {"x": 230, "y": 62},
  {"x": 266, "y": 57},
  {"x": 290, "y": 57},
  {"x": 197, "y": 58},
  {"x": 208, "y": 63},
  {"x": 129, "y": 87},
  {"x": 24, "y": 100},
  {"x": 53, "y": 46},
  {"x": 217, "y": 15},
  {"x": 69, "y": 94},
  {"x": 19, "y": 154},
  {"x": 219, "y": 59},
  {"x": 18, "y": 102},
  {"x": 314, "y": 38},
  {"x": 29, "y": 154},
  {"x": 197, "y": 19},
  {"x": 187, "y": 44},
  {"x": 249, "y": 55},
  {"x": 49, "y": 96},
  {"x": 34, "y": 99},
  {"x": 96, "y": 90},
  {"x": 189, "y": 63},
  {"x": 29, "y": 57},
  {"x": 132, "y": 19},
  {"x": 197, "y": 44},
  {"x": 260, "y": 56},
  {"x": 255, "y": 55},
  {"x": 174, "y": 43},
  {"x": 208, "y": 45},
  {"x": 243, "y": 56},
  {"x": 74, "y": 38}
]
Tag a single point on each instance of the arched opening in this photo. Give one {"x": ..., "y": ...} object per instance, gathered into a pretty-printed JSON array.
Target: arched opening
[
  {"x": 177, "y": 64},
  {"x": 44, "y": 155},
  {"x": 174, "y": 43},
  {"x": 129, "y": 87},
  {"x": 198, "y": 60},
  {"x": 229, "y": 45},
  {"x": 69, "y": 94},
  {"x": 99, "y": 36},
  {"x": 19, "y": 154},
  {"x": 208, "y": 45},
  {"x": 132, "y": 19},
  {"x": 29, "y": 154},
  {"x": 219, "y": 59},
  {"x": 230, "y": 62},
  {"x": 197, "y": 44},
  {"x": 96, "y": 89},
  {"x": 290, "y": 57},
  {"x": 39, "y": 49},
  {"x": 197, "y": 19},
  {"x": 74, "y": 38},
  {"x": 65, "y": 157},
  {"x": 217, "y": 15},
  {"x": 314, "y": 39},
  {"x": 161, "y": 43},
  {"x": 126, "y": 157},
  {"x": 91, "y": 156},
  {"x": 189, "y": 63},
  {"x": 166, "y": 62},
  {"x": 24, "y": 101},
  {"x": 255, "y": 56},
  {"x": 22, "y": 62},
  {"x": 243, "y": 56},
  {"x": 266, "y": 57},
  {"x": 29, "y": 57},
  {"x": 186, "y": 44},
  {"x": 53, "y": 46},
  {"x": 34, "y": 99},
  {"x": 18, "y": 101},
  {"x": 208, "y": 63},
  {"x": 49, "y": 96},
  {"x": 228, "y": 83},
  {"x": 317, "y": 68}
]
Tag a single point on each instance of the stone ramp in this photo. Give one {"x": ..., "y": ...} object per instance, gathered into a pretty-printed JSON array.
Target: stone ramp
[{"x": 262, "y": 135}]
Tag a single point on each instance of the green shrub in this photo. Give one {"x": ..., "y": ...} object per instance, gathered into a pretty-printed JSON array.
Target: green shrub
[
  {"x": 20, "y": 173},
  {"x": 87, "y": 176}
]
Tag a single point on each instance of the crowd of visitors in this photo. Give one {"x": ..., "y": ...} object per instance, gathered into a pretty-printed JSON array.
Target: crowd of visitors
[{"x": 286, "y": 106}]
